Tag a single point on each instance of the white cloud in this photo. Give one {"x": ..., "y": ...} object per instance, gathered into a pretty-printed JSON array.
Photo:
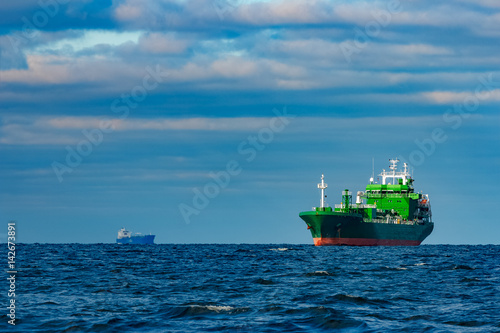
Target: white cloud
[
  {"x": 484, "y": 3},
  {"x": 234, "y": 67},
  {"x": 57, "y": 69},
  {"x": 281, "y": 12},
  {"x": 421, "y": 49},
  {"x": 285, "y": 54},
  {"x": 129, "y": 11},
  {"x": 68, "y": 130},
  {"x": 30, "y": 134},
  {"x": 161, "y": 124},
  {"x": 84, "y": 39},
  {"x": 161, "y": 43},
  {"x": 450, "y": 97}
]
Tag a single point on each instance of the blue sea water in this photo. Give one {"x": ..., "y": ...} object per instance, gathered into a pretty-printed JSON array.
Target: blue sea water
[{"x": 255, "y": 288}]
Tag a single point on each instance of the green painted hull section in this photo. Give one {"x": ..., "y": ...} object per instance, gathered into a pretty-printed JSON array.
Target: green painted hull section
[{"x": 331, "y": 225}]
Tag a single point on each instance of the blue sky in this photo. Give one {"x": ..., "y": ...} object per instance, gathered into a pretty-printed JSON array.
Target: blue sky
[{"x": 118, "y": 113}]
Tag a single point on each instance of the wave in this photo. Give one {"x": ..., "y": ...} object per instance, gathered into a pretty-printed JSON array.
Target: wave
[
  {"x": 417, "y": 317},
  {"x": 74, "y": 328},
  {"x": 320, "y": 273},
  {"x": 358, "y": 299},
  {"x": 465, "y": 267},
  {"x": 243, "y": 251},
  {"x": 104, "y": 326},
  {"x": 314, "y": 310},
  {"x": 323, "y": 317},
  {"x": 213, "y": 288},
  {"x": 264, "y": 281},
  {"x": 102, "y": 291},
  {"x": 214, "y": 308},
  {"x": 203, "y": 310},
  {"x": 387, "y": 268},
  {"x": 470, "y": 280},
  {"x": 470, "y": 323}
]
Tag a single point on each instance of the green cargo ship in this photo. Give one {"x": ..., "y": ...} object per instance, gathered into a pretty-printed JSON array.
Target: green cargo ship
[{"x": 390, "y": 213}]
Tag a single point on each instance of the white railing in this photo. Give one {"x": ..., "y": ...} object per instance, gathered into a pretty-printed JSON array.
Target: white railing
[{"x": 356, "y": 206}]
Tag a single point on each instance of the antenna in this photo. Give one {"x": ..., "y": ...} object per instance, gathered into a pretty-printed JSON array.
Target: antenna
[
  {"x": 393, "y": 167},
  {"x": 373, "y": 170},
  {"x": 322, "y": 186}
]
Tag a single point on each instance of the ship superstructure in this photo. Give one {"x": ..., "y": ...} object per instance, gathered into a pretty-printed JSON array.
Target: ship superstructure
[{"x": 389, "y": 213}]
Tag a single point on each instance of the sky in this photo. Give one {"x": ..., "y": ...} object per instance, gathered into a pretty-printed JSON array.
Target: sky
[{"x": 212, "y": 121}]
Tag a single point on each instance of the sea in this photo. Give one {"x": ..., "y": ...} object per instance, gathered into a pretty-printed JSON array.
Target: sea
[{"x": 253, "y": 288}]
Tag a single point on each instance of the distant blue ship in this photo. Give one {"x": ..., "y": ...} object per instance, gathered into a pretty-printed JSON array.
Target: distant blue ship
[{"x": 126, "y": 237}]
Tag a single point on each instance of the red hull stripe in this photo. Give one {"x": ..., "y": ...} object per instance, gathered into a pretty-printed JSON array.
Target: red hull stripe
[{"x": 364, "y": 242}]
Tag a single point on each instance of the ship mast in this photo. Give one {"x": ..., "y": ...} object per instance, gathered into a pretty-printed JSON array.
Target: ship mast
[
  {"x": 405, "y": 175},
  {"x": 322, "y": 186},
  {"x": 393, "y": 167}
]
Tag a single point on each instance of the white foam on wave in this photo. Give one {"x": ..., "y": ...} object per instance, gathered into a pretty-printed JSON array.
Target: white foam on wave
[
  {"x": 216, "y": 308},
  {"x": 280, "y": 249},
  {"x": 397, "y": 268},
  {"x": 319, "y": 273}
]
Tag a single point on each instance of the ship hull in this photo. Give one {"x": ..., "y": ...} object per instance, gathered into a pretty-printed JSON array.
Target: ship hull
[
  {"x": 337, "y": 228},
  {"x": 146, "y": 239}
]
